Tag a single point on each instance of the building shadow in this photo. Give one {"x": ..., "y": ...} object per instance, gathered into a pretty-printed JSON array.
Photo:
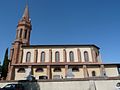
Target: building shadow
[{"x": 30, "y": 85}]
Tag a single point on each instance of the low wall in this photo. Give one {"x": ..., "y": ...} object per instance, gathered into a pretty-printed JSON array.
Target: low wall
[{"x": 67, "y": 84}]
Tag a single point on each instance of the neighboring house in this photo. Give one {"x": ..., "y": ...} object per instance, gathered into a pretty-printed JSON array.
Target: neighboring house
[{"x": 54, "y": 61}]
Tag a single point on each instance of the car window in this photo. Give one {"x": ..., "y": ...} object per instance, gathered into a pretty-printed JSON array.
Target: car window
[
  {"x": 8, "y": 86},
  {"x": 13, "y": 85}
]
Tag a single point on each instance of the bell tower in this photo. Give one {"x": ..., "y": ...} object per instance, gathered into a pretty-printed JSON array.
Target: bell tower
[
  {"x": 22, "y": 36},
  {"x": 24, "y": 28}
]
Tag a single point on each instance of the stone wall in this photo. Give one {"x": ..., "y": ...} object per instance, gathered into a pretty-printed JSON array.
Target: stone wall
[{"x": 67, "y": 84}]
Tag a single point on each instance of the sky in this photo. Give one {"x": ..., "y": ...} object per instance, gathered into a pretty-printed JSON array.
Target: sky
[{"x": 65, "y": 22}]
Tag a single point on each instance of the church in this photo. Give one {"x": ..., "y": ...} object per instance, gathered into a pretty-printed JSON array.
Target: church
[{"x": 54, "y": 61}]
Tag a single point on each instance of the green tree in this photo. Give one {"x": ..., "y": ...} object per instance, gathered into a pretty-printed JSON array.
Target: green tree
[
  {"x": 0, "y": 69},
  {"x": 5, "y": 65}
]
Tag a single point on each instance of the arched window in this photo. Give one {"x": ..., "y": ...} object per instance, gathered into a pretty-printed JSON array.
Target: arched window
[
  {"x": 39, "y": 70},
  {"x": 25, "y": 34},
  {"x": 71, "y": 55},
  {"x": 17, "y": 34},
  {"x": 21, "y": 70},
  {"x": 93, "y": 73},
  {"x": 28, "y": 57},
  {"x": 20, "y": 33},
  {"x": 57, "y": 69},
  {"x": 57, "y": 56},
  {"x": 86, "y": 57},
  {"x": 42, "y": 56},
  {"x": 75, "y": 69}
]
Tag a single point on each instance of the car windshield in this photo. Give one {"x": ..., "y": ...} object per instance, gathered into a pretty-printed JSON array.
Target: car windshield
[{"x": 10, "y": 86}]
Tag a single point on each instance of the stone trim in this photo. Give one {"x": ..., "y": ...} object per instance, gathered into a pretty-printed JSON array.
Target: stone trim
[
  {"x": 102, "y": 70},
  {"x": 64, "y": 56},
  {"x": 99, "y": 58},
  {"x": 60, "y": 63},
  {"x": 16, "y": 53},
  {"x": 93, "y": 56},
  {"x": 20, "y": 56},
  {"x": 11, "y": 53},
  {"x": 79, "y": 55},
  {"x": 35, "y": 55},
  {"x": 65, "y": 80},
  {"x": 48, "y": 71},
  {"x": 11, "y": 75},
  {"x": 17, "y": 34},
  {"x": 50, "y": 55},
  {"x": 28, "y": 25},
  {"x": 85, "y": 71},
  {"x": 66, "y": 69}
]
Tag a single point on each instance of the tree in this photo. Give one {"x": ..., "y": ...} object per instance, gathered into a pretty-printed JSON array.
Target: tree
[
  {"x": 0, "y": 67},
  {"x": 5, "y": 65},
  {"x": 0, "y": 70}
]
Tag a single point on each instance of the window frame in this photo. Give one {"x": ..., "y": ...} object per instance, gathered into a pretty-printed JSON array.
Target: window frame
[
  {"x": 86, "y": 56},
  {"x": 57, "y": 69},
  {"x": 28, "y": 57},
  {"x": 93, "y": 73},
  {"x": 25, "y": 34},
  {"x": 39, "y": 70},
  {"x": 42, "y": 59},
  {"x": 20, "y": 33},
  {"x": 71, "y": 56},
  {"x": 21, "y": 70},
  {"x": 75, "y": 69},
  {"x": 57, "y": 56}
]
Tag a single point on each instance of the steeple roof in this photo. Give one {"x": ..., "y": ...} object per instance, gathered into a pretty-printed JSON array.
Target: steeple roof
[{"x": 26, "y": 13}]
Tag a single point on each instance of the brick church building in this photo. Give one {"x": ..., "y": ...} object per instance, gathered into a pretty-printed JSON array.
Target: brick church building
[{"x": 54, "y": 61}]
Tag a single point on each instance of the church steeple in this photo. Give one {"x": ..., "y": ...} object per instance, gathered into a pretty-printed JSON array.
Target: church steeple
[
  {"x": 24, "y": 28},
  {"x": 26, "y": 13}
]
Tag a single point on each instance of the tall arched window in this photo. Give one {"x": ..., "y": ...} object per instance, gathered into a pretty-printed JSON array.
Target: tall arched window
[
  {"x": 57, "y": 56},
  {"x": 86, "y": 57},
  {"x": 25, "y": 34},
  {"x": 71, "y": 55},
  {"x": 28, "y": 57},
  {"x": 20, "y": 33},
  {"x": 42, "y": 56},
  {"x": 93, "y": 73}
]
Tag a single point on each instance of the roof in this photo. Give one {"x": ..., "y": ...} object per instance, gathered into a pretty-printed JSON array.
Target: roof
[
  {"x": 64, "y": 46},
  {"x": 67, "y": 63},
  {"x": 26, "y": 13}
]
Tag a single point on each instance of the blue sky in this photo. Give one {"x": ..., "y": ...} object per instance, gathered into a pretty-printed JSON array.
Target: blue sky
[{"x": 65, "y": 22}]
